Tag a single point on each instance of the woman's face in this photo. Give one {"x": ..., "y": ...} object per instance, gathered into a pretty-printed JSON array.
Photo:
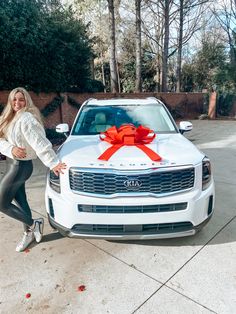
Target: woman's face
[{"x": 18, "y": 102}]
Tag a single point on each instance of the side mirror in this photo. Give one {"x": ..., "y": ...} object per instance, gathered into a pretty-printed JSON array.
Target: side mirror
[
  {"x": 185, "y": 126},
  {"x": 63, "y": 128}
]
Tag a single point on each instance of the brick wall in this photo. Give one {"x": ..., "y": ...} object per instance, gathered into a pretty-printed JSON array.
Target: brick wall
[{"x": 190, "y": 104}]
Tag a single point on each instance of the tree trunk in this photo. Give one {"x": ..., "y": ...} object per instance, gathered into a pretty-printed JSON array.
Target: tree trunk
[
  {"x": 180, "y": 46},
  {"x": 103, "y": 77},
  {"x": 138, "y": 82},
  {"x": 166, "y": 45},
  {"x": 113, "y": 62},
  {"x": 159, "y": 38}
]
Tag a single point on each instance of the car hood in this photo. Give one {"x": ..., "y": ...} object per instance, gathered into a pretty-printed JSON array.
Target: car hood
[{"x": 174, "y": 149}]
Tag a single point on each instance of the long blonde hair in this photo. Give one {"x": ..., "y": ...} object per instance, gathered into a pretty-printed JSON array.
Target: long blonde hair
[{"x": 9, "y": 114}]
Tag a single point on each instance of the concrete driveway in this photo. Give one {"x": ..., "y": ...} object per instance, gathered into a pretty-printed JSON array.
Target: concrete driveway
[{"x": 185, "y": 275}]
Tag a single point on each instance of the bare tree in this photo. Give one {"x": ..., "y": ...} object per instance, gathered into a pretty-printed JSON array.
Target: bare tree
[
  {"x": 93, "y": 13},
  {"x": 161, "y": 29},
  {"x": 189, "y": 16},
  {"x": 225, "y": 13},
  {"x": 159, "y": 35},
  {"x": 113, "y": 60},
  {"x": 166, "y": 11},
  {"x": 168, "y": 26},
  {"x": 180, "y": 45},
  {"x": 138, "y": 83}
]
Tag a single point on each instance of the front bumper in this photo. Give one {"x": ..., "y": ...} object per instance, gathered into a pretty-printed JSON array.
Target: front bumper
[
  {"x": 65, "y": 216},
  {"x": 129, "y": 235}
]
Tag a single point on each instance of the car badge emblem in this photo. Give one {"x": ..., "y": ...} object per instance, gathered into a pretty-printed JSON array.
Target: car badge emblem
[{"x": 132, "y": 184}]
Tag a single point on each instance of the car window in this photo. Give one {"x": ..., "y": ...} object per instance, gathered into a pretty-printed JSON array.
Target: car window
[{"x": 95, "y": 119}]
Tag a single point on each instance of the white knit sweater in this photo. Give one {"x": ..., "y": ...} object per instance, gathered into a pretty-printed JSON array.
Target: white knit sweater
[{"x": 26, "y": 132}]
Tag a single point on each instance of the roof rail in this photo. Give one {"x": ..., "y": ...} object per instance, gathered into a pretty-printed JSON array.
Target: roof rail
[
  {"x": 90, "y": 99},
  {"x": 86, "y": 101},
  {"x": 153, "y": 98}
]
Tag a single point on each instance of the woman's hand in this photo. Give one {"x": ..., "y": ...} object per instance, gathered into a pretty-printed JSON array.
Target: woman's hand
[
  {"x": 18, "y": 152},
  {"x": 59, "y": 167}
]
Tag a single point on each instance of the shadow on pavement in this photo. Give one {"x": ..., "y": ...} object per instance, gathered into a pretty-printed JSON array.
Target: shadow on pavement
[{"x": 52, "y": 237}]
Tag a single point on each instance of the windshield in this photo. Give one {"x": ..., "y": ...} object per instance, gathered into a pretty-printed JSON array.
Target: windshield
[{"x": 94, "y": 119}]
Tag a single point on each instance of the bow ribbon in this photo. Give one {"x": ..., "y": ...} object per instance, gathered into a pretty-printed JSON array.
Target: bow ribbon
[{"x": 128, "y": 135}]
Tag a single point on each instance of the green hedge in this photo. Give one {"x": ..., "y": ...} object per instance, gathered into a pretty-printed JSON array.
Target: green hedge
[{"x": 225, "y": 103}]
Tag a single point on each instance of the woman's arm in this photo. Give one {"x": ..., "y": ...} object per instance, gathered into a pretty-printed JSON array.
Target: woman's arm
[
  {"x": 18, "y": 152},
  {"x": 58, "y": 169},
  {"x": 35, "y": 135}
]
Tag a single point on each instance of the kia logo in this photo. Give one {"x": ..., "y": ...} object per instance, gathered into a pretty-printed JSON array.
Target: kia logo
[{"x": 132, "y": 184}]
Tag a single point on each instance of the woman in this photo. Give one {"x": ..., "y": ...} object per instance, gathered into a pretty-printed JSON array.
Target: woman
[{"x": 22, "y": 138}]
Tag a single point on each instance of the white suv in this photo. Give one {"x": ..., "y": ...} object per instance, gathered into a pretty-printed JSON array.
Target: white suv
[{"x": 131, "y": 174}]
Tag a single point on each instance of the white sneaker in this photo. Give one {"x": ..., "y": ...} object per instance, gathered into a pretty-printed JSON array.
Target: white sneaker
[
  {"x": 38, "y": 229},
  {"x": 28, "y": 238}
]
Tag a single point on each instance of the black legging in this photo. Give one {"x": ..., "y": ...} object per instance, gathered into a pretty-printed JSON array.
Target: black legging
[{"x": 12, "y": 187}]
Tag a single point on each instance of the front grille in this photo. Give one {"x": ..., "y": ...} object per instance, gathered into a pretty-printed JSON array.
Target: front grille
[
  {"x": 132, "y": 229},
  {"x": 132, "y": 209},
  {"x": 106, "y": 182}
]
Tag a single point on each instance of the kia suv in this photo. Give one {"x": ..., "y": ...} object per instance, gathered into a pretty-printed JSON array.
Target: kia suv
[{"x": 131, "y": 174}]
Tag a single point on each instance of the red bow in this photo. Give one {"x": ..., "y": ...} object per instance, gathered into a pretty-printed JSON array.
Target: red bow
[{"x": 128, "y": 135}]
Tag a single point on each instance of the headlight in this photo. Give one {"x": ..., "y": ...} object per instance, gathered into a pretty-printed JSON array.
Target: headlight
[
  {"x": 206, "y": 173},
  {"x": 54, "y": 182}
]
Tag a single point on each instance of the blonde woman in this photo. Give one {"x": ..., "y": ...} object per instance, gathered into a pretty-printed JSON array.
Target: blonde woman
[{"x": 22, "y": 138}]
